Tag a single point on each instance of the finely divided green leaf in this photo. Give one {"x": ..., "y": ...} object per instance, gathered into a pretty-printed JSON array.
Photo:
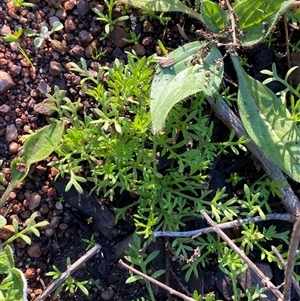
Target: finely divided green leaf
[
  {"x": 173, "y": 84},
  {"x": 257, "y": 19},
  {"x": 268, "y": 123},
  {"x": 213, "y": 16},
  {"x": 165, "y": 6}
]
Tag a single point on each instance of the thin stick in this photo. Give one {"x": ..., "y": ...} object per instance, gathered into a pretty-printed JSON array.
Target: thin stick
[
  {"x": 287, "y": 41},
  {"x": 226, "y": 115},
  {"x": 154, "y": 281},
  {"x": 232, "y": 21},
  {"x": 233, "y": 246},
  {"x": 195, "y": 233},
  {"x": 70, "y": 270},
  {"x": 293, "y": 248},
  {"x": 294, "y": 281}
]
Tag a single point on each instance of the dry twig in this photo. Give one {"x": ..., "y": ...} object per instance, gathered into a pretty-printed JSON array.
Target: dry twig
[
  {"x": 293, "y": 248},
  {"x": 154, "y": 281},
  {"x": 227, "y": 116},
  {"x": 265, "y": 280},
  {"x": 195, "y": 233},
  {"x": 294, "y": 281},
  {"x": 70, "y": 270}
]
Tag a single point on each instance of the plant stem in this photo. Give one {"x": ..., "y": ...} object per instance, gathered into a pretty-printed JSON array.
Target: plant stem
[
  {"x": 195, "y": 233},
  {"x": 227, "y": 116},
  {"x": 234, "y": 247},
  {"x": 154, "y": 281},
  {"x": 70, "y": 270}
]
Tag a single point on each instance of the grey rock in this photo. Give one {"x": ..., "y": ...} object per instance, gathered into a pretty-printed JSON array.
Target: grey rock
[
  {"x": 85, "y": 37},
  {"x": 43, "y": 87},
  {"x": 52, "y": 20},
  {"x": 14, "y": 70},
  {"x": 4, "y": 109},
  {"x": 41, "y": 108},
  {"x": 5, "y": 30},
  {"x": 6, "y": 82},
  {"x": 117, "y": 36},
  {"x": 11, "y": 133},
  {"x": 83, "y": 8},
  {"x": 77, "y": 51},
  {"x": 69, "y": 25},
  {"x": 55, "y": 68}
]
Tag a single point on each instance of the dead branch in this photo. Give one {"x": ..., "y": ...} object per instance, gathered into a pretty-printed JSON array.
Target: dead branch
[
  {"x": 227, "y": 116},
  {"x": 265, "y": 280},
  {"x": 70, "y": 270},
  {"x": 195, "y": 233},
  {"x": 154, "y": 281}
]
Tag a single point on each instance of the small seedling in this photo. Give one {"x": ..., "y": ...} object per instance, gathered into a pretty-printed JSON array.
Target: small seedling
[
  {"x": 148, "y": 13},
  {"x": 91, "y": 242},
  {"x": 70, "y": 284},
  {"x": 13, "y": 286},
  {"x": 98, "y": 53},
  {"x": 22, "y": 3},
  {"x": 108, "y": 18},
  {"x": 134, "y": 38},
  {"x": 14, "y": 38},
  {"x": 44, "y": 33},
  {"x": 13, "y": 5}
]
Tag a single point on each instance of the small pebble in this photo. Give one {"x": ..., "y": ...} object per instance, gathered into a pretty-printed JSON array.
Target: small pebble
[
  {"x": 30, "y": 273},
  {"x": 34, "y": 251},
  {"x": 54, "y": 222},
  {"x": 59, "y": 206},
  {"x": 49, "y": 232},
  {"x": 4, "y": 109},
  {"x": 85, "y": 37},
  {"x": 34, "y": 201},
  {"x": 63, "y": 227},
  {"x": 69, "y": 5},
  {"x": 107, "y": 294},
  {"x": 6, "y": 82},
  {"x": 11, "y": 133},
  {"x": 69, "y": 25},
  {"x": 13, "y": 147}
]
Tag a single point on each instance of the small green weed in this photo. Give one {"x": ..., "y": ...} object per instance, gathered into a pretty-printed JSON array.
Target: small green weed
[
  {"x": 22, "y": 3},
  {"x": 13, "y": 286},
  {"x": 70, "y": 284},
  {"x": 108, "y": 18},
  {"x": 44, "y": 34},
  {"x": 14, "y": 37}
]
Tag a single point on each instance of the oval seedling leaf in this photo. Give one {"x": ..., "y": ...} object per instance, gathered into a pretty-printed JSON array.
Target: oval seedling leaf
[
  {"x": 42, "y": 143},
  {"x": 36, "y": 148},
  {"x": 190, "y": 74},
  {"x": 213, "y": 16},
  {"x": 164, "y": 6},
  {"x": 268, "y": 123},
  {"x": 257, "y": 19}
]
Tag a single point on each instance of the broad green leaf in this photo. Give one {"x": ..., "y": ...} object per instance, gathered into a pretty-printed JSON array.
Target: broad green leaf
[
  {"x": 213, "y": 16},
  {"x": 42, "y": 143},
  {"x": 36, "y": 148},
  {"x": 19, "y": 285},
  {"x": 257, "y": 18},
  {"x": 173, "y": 84},
  {"x": 165, "y": 6},
  {"x": 268, "y": 123}
]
